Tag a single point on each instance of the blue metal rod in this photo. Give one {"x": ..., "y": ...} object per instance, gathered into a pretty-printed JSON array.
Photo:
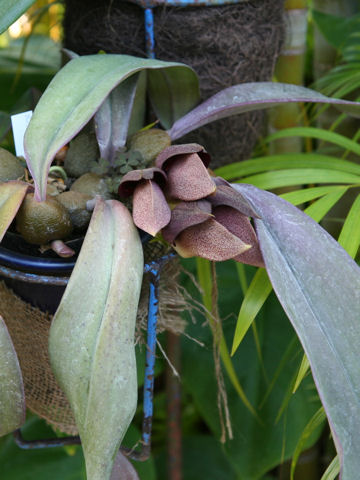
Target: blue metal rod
[{"x": 149, "y": 33}]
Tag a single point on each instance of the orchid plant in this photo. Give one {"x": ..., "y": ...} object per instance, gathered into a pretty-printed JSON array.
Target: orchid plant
[{"x": 198, "y": 214}]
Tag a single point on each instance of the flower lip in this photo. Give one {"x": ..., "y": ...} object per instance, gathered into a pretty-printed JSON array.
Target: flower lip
[
  {"x": 170, "y": 153},
  {"x": 131, "y": 180}
]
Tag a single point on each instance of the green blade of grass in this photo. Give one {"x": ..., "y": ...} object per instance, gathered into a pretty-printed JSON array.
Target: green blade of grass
[
  {"x": 303, "y": 369},
  {"x": 204, "y": 277},
  {"x": 349, "y": 237},
  {"x": 286, "y": 161},
  {"x": 254, "y": 299},
  {"x": 333, "y": 470},
  {"x": 299, "y": 176},
  {"x": 315, "y": 422},
  {"x": 320, "y": 208},
  {"x": 319, "y": 134}
]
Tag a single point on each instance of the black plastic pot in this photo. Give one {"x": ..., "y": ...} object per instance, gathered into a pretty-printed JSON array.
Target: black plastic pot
[{"x": 38, "y": 280}]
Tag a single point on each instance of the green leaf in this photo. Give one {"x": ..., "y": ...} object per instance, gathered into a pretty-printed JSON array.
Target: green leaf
[
  {"x": 320, "y": 208},
  {"x": 254, "y": 299},
  {"x": 285, "y": 161},
  {"x": 204, "y": 276},
  {"x": 63, "y": 110},
  {"x": 318, "y": 285},
  {"x": 316, "y": 422},
  {"x": 333, "y": 470},
  {"x": 349, "y": 237},
  {"x": 303, "y": 369},
  {"x": 318, "y": 133},
  {"x": 11, "y": 196},
  {"x": 12, "y": 399},
  {"x": 307, "y": 194},
  {"x": 91, "y": 340},
  {"x": 257, "y": 447},
  {"x": 11, "y": 10},
  {"x": 299, "y": 176}
]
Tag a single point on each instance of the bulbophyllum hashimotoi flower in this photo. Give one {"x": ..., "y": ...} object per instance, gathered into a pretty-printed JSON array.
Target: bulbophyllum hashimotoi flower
[{"x": 199, "y": 215}]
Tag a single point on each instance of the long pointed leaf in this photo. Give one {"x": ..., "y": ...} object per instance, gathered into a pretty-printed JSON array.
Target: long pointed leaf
[
  {"x": 12, "y": 399},
  {"x": 11, "y": 196},
  {"x": 92, "y": 335},
  {"x": 113, "y": 117},
  {"x": 248, "y": 97},
  {"x": 63, "y": 109},
  {"x": 318, "y": 285},
  {"x": 10, "y": 11},
  {"x": 350, "y": 233}
]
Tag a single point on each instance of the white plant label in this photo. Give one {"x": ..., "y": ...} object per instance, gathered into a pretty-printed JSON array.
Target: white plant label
[{"x": 19, "y": 123}]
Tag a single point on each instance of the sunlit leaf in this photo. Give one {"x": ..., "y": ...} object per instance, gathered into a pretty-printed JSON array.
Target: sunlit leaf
[
  {"x": 247, "y": 97},
  {"x": 63, "y": 110},
  {"x": 12, "y": 399},
  {"x": 307, "y": 194},
  {"x": 318, "y": 285},
  {"x": 11, "y": 196},
  {"x": 10, "y": 11},
  {"x": 92, "y": 335}
]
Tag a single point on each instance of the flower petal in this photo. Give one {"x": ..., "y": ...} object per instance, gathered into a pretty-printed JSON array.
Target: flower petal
[
  {"x": 240, "y": 226},
  {"x": 151, "y": 212},
  {"x": 188, "y": 178},
  {"x": 209, "y": 240},
  {"x": 164, "y": 159},
  {"x": 130, "y": 180},
  {"x": 226, "y": 195},
  {"x": 184, "y": 215}
]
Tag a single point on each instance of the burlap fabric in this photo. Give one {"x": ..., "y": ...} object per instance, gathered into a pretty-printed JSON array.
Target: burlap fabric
[
  {"x": 29, "y": 329},
  {"x": 225, "y": 45}
]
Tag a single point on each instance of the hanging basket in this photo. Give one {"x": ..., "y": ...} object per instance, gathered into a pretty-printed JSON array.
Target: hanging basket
[{"x": 225, "y": 45}]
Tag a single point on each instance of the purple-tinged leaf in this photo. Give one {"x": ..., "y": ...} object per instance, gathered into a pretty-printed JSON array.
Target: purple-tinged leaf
[
  {"x": 11, "y": 197},
  {"x": 151, "y": 212},
  {"x": 188, "y": 179},
  {"x": 91, "y": 342},
  {"x": 164, "y": 159},
  {"x": 252, "y": 96},
  {"x": 131, "y": 179},
  {"x": 12, "y": 398},
  {"x": 240, "y": 226},
  {"x": 226, "y": 195},
  {"x": 113, "y": 117},
  {"x": 123, "y": 469},
  {"x": 318, "y": 285},
  {"x": 209, "y": 240},
  {"x": 184, "y": 215},
  {"x": 64, "y": 110}
]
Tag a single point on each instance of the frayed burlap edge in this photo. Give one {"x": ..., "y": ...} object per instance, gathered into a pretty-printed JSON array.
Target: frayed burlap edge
[{"x": 29, "y": 330}]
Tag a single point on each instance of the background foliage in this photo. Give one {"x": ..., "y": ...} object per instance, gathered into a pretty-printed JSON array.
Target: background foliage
[{"x": 274, "y": 408}]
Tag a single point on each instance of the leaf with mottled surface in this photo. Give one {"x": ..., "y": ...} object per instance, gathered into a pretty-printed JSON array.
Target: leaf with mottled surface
[
  {"x": 12, "y": 398},
  {"x": 318, "y": 285},
  {"x": 92, "y": 335},
  {"x": 11, "y": 196}
]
